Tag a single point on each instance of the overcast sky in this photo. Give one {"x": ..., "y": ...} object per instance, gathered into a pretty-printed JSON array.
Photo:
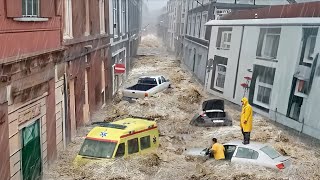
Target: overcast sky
[{"x": 155, "y": 4}]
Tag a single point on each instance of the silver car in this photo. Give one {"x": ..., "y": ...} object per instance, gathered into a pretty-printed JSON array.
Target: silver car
[{"x": 254, "y": 153}]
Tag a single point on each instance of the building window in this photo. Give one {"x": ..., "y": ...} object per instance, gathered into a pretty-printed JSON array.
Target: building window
[
  {"x": 123, "y": 17},
  {"x": 87, "y": 32},
  {"x": 198, "y": 26},
  {"x": 115, "y": 18},
  {"x": 189, "y": 25},
  {"x": 308, "y": 45},
  {"x": 182, "y": 28},
  {"x": 263, "y": 86},
  {"x": 68, "y": 20},
  {"x": 224, "y": 38},
  {"x": 30, "y": 8},
  {"x": 220, "y": 76},
  {"x": 193, "y": 26},
  {"x": 268, "y": 43},
  {"x": 102, "y": 16},
  {"x": 203, "y": 27}
]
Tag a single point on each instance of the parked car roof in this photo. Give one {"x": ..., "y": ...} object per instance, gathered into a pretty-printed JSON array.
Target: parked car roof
[{"x": 252, "y": 145}]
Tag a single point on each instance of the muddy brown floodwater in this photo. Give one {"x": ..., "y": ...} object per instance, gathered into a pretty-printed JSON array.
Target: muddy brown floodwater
[{"x": 173, "y": 109}]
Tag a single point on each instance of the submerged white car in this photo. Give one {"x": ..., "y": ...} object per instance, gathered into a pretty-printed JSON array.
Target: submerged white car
[{"x": 254, "y": 153}]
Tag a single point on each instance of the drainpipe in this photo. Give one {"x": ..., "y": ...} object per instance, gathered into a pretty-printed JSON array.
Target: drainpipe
[
  {"x": 239, "y": 54},
  {"x": 66, "y": 110}
]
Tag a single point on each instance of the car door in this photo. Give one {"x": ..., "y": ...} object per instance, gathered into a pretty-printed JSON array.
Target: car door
[
  {"x": 229, "y": 151},
  {"x": 162, "y": 85},
  {"x": 244, "y": 155}
]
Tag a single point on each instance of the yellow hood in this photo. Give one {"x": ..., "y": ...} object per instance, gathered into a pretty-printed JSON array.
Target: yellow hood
[{"x": 245, "y": 101}]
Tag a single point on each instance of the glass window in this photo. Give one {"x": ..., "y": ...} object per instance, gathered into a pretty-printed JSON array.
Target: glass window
[
  {"x": 121, "y": 150},
  {"x": 272, "y": 153},
  {"x": 98, "y": 149},
  {"x": 133, "y": 146},
  {"x": 30, "y": 8},
  {"x": 145, "y": 142},
  {"x": 163, "y": 79},
  {"x": 268, "y": 43},
  {"x": 247, "y": 153}
]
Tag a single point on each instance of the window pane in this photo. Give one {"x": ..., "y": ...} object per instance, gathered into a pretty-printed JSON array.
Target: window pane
[
  {"x": 133, "y": 146},
  {"x": 121, "y": 150},
  {"x": 98, "y": 149},
  {"x": 29, "y": 7},
  {"x": 145, "y": 142},
  {"x": 270, "y": 152},
  {"x": 35, "y": 7},
  {"x": 244, "y": 153},
  {"x": 24, "y": 9},
  {"x": 264, "y": 94}
]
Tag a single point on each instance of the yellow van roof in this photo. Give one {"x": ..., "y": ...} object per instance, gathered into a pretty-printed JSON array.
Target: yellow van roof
[{"x": 119, "y": 129}]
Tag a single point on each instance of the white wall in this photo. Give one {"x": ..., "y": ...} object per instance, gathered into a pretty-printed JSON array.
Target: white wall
[{"x": 287, "y": 60}]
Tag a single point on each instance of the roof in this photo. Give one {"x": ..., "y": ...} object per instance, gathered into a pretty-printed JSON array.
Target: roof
[
  {"x": 252, "y": 145},
  {"x": 266, "y": 22},
  {"x": 132, "y": 125},
  {"x": 308, "y": 9}
]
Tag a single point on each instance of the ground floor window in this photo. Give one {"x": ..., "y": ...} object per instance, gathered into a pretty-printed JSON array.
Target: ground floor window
[
  {"x": 220, "y": 76},
  {"x": 262, "y": 93}
]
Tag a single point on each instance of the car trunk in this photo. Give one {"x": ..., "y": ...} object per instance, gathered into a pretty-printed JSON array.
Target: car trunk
[
  {"x": 142, "y": 87},
  {"x": 213, "y": 104},
  {"x": 283, "y": 159}
]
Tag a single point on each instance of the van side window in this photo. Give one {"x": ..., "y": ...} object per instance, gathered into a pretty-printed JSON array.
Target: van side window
[
  {"x": 145, "y": 142},
  {"x": 133, "y": 146},
  {"x": 121, "y": 150}
]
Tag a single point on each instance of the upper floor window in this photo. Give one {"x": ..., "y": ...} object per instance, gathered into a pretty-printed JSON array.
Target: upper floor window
[
  {"x": 224, "y": 38},
  {"x": 268, "y": 43},
  {"x": 115, "y": 18},
  {"x": 30, "y": 8},
  {"x": 102, "y": 17},
  {"x": 308, "y": 45},
  {"x": 203, "y": 27}
]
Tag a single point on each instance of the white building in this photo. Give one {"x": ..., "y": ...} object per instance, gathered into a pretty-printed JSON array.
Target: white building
[{"x": 277, "y": 59}]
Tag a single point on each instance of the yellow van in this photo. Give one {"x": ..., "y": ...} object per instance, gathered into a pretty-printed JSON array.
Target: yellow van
[{"x": 119, "y": 139}]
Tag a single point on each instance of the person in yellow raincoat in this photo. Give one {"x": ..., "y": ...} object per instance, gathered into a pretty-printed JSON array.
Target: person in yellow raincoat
[
  {"x": 217, "y": 150},
  {"x": 246, "y": 120}
]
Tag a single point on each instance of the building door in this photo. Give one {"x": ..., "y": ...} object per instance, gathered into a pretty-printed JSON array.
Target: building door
[
  {"x": 194, "y": 60},
  {"x": 31, "y": 152}
]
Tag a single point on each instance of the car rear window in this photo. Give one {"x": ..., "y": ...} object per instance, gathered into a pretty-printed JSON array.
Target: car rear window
[
  {"x": 148, "y": 81},
  {"x": 272, "y": 153}
]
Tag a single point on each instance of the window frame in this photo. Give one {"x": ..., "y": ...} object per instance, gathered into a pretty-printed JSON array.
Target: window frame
[
  {"x": 256, "y": 90},
  {"x": 115, "y": 18},
  {"x": 102, "y": 16},
  {"x": 124, "y": 150},
  {"x": 26, "y": 15},
  {"x": 264, "y": 46},
  {"x": 142, "y": 147},
  {"x": 123, "y": 17},
  {"x": 203, "y": 27},
  {"x": 68, "y": 31},
  {"x": 308, "y": 48},
  {"x": 224, "y": 43},
  {"x": 137, "y": 142},
  {"x": 216, "y": 76}
]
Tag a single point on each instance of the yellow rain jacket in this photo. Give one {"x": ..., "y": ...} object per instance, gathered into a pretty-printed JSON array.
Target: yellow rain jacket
[
  {"x": 246, "y": 116},
  {"x": 218, "y": 151}
]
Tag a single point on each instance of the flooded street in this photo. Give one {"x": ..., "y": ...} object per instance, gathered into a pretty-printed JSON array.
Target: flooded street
[{"x": 173, "y": 110}]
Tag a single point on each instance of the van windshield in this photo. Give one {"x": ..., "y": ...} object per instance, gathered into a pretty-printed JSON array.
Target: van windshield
[{"x": 98, "y": 149}]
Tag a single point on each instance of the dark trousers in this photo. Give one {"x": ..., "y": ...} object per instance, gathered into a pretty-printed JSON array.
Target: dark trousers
[{"x": 246, "y": 137}]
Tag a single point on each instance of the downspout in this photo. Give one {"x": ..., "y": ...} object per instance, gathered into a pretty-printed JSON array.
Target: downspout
[
  {"x": 240, "y": 48},
  {"x": 66, "y": 100}
]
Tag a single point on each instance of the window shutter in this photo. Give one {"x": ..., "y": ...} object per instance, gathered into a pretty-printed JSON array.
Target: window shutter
[
  {"x": 14, "y": 8},
  {"x": 59, "y": 7},
  {"x": 47, "y": 8}
]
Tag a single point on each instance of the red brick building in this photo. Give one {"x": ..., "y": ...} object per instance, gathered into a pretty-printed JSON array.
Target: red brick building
[
  {"x": 86, "y": 38},
  {"x": 30, "y": 48}
]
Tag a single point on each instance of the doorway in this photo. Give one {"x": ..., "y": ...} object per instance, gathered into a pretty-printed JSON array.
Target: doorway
[{"x": 31, "y": 152}]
